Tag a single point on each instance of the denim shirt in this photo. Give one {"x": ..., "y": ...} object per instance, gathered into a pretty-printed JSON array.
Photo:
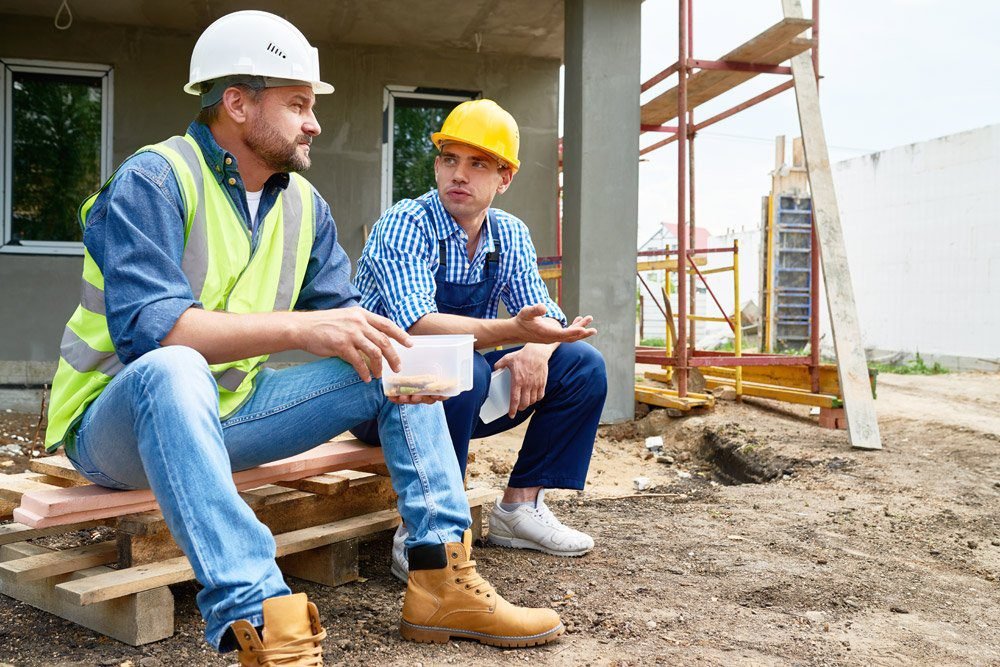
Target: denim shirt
[{"x": 135, "y": 234}]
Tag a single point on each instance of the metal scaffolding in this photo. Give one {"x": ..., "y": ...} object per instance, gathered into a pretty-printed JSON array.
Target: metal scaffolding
[{"x": 699, "y": 81}]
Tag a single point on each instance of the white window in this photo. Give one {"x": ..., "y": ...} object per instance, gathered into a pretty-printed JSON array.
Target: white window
[
  {"x": 55, "y": 141},
  {"x": 409, "y": 116}
]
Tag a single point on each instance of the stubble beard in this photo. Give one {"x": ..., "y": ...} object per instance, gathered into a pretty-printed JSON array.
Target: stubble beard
[{"x": 277, "y": 153}]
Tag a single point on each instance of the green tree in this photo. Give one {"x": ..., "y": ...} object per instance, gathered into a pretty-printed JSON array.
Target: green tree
[
  {"x": 413, "y": 152},
  {"x": 56, "y": 153}
]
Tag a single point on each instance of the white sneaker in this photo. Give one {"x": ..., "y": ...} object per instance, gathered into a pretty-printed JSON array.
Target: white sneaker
[
  {"x": 535, "y": 527},
  {"x": 400, "y": 567}
]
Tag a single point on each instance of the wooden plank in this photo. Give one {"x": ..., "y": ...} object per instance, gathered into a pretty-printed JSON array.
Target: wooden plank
[
  {"x": 57, "y": 481},
  {"x": 12, "y": 487},
  {"x": 119, "y": 583},
  {"x": 327, "y": 484},
  {"x": 771, "y": 47},
  {"x": 862, "y": 422},
  {"x": 50, "y": 564},
  {"x": 57, "y": 466},
  {"x": 669, "y": 398},
  {"x": 47, "y": 508},
  {"x": 791, "y": 377},
  {"x": 145, "y": 617},
  {"x": 777, "y": 393}
]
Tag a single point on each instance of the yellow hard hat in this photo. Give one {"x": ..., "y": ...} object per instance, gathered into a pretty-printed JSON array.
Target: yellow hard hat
[{"x": 485, "y": 125}]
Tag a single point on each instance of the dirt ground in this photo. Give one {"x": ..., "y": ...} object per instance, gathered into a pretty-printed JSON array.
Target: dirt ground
[{"x": 823, "y": 555}]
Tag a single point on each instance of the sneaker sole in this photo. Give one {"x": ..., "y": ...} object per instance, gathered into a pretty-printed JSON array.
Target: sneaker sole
[
  {"x": 398, "y": 572},
  {"x": 433, "y": 635},
  {"x": 518, "y": 543}
]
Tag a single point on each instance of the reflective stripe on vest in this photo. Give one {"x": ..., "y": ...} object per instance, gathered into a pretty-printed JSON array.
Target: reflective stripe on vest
[{"x": 224, "y": 271}]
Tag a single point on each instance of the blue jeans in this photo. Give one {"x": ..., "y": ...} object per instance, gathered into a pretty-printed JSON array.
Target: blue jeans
[
  {"x": 157, "y": 426},
  {"x": 560, "y": 438}
]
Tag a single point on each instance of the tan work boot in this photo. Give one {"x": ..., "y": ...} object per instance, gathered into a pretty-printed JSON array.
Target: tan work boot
[
  {"x": 292, "y": 635},
  {"x": 446, "y": 597}
]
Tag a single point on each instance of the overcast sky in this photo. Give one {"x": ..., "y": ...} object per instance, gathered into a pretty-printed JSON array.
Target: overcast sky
[{"x": 895, "y": 72}]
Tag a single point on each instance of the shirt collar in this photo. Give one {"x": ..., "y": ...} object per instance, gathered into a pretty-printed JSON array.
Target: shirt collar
[
  {"x": 223, "y": 163},
  {"x": 446, "y": 225}
]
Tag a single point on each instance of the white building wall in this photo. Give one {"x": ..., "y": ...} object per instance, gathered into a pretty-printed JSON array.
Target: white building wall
[{"x": 922, "y": 229}]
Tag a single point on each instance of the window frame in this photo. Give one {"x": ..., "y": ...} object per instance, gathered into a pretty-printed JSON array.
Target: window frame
[
  {"x": 61, "y": 68},
  {"x": 391, "y": 93}
]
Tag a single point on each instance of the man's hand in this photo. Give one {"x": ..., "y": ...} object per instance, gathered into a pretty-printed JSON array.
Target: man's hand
[
  {"x": 414, "y": 400},
  {"x": 529, "y": 371},
  {"x": 355, "y": 335},
  {"x": 533, "y": 326}
]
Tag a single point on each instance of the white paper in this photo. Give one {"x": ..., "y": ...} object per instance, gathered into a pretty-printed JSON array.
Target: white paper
[{"x": 497, "y": 402}]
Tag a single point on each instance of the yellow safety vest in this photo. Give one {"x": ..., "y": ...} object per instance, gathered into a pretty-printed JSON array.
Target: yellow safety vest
[{"x": 224, "y": 273}]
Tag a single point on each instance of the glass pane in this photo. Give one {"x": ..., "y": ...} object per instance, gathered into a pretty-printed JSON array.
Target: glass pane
[
  {"x": 413, "y": 153},
  {"x": 56, "y": 153}
]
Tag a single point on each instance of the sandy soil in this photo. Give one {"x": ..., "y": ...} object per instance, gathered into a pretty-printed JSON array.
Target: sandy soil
[{"x": 844, "y": 557}]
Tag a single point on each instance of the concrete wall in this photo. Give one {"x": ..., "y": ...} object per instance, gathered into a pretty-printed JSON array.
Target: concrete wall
[
  {"x": 150, "y": 67},
  {"x": 922, "y": 228}
]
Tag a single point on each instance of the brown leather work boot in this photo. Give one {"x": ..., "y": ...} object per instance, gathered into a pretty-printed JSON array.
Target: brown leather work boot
[
  {"x": 292, "y": 635},
  {"x": 446, "y": 597}
]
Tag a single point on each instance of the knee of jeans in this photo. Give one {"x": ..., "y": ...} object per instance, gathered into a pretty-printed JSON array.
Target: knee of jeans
[
  {"x": 588, "y": 362},
  {"x": 175, "y": 366}
]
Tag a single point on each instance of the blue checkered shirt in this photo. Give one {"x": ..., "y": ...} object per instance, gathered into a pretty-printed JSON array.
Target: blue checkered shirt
[{"x": 397, "y": 267}]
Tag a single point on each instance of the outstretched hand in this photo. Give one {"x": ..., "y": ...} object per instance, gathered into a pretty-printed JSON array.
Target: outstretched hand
[{"x": 534, "y": 326}]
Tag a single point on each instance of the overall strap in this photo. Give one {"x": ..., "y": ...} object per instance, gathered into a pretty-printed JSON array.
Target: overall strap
[
  {"x": 442, "y": 245},
  {"x": 493, "y": 258}
]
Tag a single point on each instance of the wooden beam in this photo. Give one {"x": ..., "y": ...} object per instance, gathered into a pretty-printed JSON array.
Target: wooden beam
[
  {"x": 771, "y": 47},
  {"x": 777, "y": 393},
  {"x": 862, "y": 422},
  {"x": 135, "y": 620},
  {"x": 57, "y": 466},
  {"x": 12, "y": 487},
  {"x": 52, "y": 563}
]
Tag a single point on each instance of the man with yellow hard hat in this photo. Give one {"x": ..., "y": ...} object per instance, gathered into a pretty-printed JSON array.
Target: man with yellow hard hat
[
  {"x": 205, "y": 253},
  {"x": 441, "y": 264}
]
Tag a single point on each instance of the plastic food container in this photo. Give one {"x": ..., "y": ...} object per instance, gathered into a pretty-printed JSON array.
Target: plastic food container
[
  {"x": 497, "y": 402},
  {"x": 434, "y": 366}
]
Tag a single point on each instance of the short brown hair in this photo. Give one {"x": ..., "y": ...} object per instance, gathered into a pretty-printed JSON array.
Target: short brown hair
[{"x": 211, "y": 113}]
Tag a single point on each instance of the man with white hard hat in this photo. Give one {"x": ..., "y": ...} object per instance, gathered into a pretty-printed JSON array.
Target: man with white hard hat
[
  {"x": 441, "y": 264},
  {"x": 204, "y": 254}
]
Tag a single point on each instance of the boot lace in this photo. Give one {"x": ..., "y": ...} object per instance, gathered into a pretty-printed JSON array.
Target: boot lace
[
  {"x": 304, "y": 652},
  {"x": 470, "y": 577}
]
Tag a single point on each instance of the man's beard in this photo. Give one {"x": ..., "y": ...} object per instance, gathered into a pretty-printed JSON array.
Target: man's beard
[{"x": 277, "y": 154}]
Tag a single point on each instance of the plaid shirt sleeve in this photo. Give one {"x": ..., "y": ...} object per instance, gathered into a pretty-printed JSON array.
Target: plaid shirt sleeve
[
  {"x": 395, "y": 274},
  {"x": 525, "y": 286}
]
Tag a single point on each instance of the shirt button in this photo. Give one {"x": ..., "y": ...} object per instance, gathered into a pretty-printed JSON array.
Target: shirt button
[
  {"x": 232, "y": 181},
  {"x": 229, "y": 160}
]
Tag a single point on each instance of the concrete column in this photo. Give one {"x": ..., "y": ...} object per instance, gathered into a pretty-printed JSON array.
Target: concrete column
[{"x": 601, "y": 183}]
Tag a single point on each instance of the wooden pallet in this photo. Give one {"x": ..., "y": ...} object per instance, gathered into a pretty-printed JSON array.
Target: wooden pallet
[{"x": 319, "y": 523}]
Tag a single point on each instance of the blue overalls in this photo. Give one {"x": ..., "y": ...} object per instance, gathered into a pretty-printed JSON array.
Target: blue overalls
[{"x": 560, "y": 438}]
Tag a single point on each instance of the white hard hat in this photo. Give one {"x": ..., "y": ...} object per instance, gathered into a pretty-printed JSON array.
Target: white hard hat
[{"x": 254, "y": 45}]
